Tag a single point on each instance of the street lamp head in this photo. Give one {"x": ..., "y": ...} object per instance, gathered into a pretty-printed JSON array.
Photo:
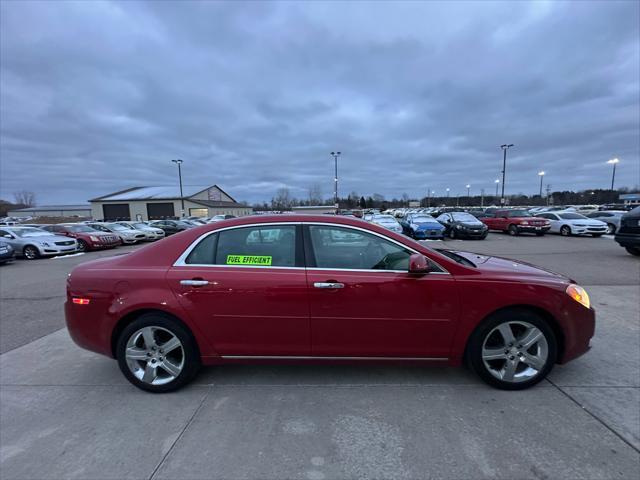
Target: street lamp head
[
  {"x": 497, "y": 180},
  {"x": 541, "y": 173},
  {"x": 613, "y": 160},
  {"x": 448, "y": 189},
  {"x": 468, "y": 186},
  {"x": 509, "y": 145},
  {"x": 178, "y": 161}
]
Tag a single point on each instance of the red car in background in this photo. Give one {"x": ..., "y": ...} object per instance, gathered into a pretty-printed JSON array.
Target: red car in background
[
  {"x": 321, "y": 289},
  {"x": 515, "y": 222},
  {"x": 88, "y": 238}
]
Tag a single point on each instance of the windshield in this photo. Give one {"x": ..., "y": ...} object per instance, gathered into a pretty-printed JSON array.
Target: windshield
[
  {"x": 31, "y": 232},
  {"x": 571, "y": 216},
  {"x": 423, "y": 219},
  {"x": 464, "y": 217},
  {"x": 115, "y": 226},
  {"x": 183, "y": 224},
  {"x": 519, "y": 213},
  {"x": 140, "y": 225},
  {"x": 79, "y": 228},
  {"x": 384, "y": 219}
]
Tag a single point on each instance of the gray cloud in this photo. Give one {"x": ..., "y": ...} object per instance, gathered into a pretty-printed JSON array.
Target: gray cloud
[{"x": 99, "y": 96}]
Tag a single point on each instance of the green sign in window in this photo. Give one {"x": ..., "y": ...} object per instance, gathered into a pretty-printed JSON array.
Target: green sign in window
[{"x": 260, "y": 260}]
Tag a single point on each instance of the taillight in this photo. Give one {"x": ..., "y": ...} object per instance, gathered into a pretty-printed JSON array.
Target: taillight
[{"x": 81, "y": 301}]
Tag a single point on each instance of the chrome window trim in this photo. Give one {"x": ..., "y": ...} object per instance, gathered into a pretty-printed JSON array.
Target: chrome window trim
[{"x": 180, "y": 262}]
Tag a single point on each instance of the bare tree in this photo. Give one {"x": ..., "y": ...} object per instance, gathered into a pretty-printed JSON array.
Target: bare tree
[
  {"x": 282, "y": 200},
  {"x": 315, "y": 194},
  {"x": 25, "y": 197}
]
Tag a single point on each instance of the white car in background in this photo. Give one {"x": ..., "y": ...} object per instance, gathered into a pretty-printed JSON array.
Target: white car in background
[
  {"x": 387, "y": 221},
  {"x": 610, "y": 217},
  {"x": 572, "y": 223},
  {"x": 126, "y": 234},
  {"x": 151, "y": 233}
]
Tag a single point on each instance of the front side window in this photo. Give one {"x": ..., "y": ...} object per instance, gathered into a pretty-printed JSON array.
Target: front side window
[
  {"x": 346, "y": 248},
  {"x": 265, "y": 246}
]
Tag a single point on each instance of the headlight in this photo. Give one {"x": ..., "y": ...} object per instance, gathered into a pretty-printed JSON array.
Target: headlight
[
  {"x": 524, "y": 223},
  {"x": 94, "y": 238},
  {"x": 579, "y": 294}
]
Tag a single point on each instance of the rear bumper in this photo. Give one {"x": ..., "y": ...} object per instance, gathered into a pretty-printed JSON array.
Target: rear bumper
[{"x": 628, "y": 239}]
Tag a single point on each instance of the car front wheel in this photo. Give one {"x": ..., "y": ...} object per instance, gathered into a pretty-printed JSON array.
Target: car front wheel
[
  {"x": 157, "y": 354},
  {"x": 82, "y": 246},
  {"x": 611, "y": 228},
  {"x": 513, "y": 230},
  {"x": 513, "y": 349},
  {"x": 565, "y": 231},
  {"x": 30, "y": 252}
]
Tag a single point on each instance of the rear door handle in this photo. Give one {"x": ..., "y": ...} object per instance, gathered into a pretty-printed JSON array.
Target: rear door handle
[
  {"x": 328, "y": 285},
  {"x": 194, "y": 283}
]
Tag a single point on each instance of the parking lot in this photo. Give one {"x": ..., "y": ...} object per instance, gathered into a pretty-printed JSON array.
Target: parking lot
[{"x": 69, "y": 413}]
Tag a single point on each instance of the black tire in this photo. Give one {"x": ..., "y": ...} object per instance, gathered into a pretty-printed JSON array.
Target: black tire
[
  {"x": 31, "y": 253},
  {"x": 633, "y": 251},
  {"x": 477, "y": 338},
  {"x": 82, "y": 246},
  {"x": 189, "y": 350},
  {"x": 513, "y": 231},
  {"x": 452, "y": 233},
  {"x": 565, "y": 231},
  {"x": 611, "y": 228}
]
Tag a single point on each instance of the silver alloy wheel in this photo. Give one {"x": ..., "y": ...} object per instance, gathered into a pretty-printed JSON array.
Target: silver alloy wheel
[
  {"x": 611, "y": 228},
  {"x": 154, "y": 355},
  {"x": 515, "y": 351},
  {"x": 30, "y": 252},
  {"x": 565, "y": 231}
]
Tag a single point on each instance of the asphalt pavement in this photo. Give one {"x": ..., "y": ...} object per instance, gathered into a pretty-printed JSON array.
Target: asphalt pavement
[{"x": 68, "y": 413}]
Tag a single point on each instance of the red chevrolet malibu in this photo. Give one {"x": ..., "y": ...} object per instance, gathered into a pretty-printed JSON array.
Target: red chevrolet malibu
[{"x": 318, "y": 288}]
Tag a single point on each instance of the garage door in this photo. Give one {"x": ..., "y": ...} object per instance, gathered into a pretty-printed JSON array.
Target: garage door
[
  {"x": 158, "y": 211},
  {"x": 116, "y": 211}
]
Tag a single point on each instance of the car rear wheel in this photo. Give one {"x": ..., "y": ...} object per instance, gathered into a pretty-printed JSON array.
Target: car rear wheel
[
  {"x": 513, "y": 349},
  {"x": 30, "y": 252},
  {"x": 633, "y": 251},
  {"x": 82, "y": 246},
  {"x": 565, "y": 231},
  {"x": 157, "y": 354},
  {"x": 611, "y": 228},
  {"x": 513, "y": 230}
]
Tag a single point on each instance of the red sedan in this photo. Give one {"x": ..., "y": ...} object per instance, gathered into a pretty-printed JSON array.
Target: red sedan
[{"x": 318, "y": 288}]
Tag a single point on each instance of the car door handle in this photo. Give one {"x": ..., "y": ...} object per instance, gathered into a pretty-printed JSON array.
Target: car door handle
[
  {"x": 328, "y": 285},
  {"x": 194, "y": 283}
]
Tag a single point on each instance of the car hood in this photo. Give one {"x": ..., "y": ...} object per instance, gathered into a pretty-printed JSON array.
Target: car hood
[
  {"x": 581, "y": 221},
  {"x": 507, "y": 266},
  {"x": 46, "y": 238}
]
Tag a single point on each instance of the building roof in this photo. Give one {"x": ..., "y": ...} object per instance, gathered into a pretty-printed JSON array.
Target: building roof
[
  {"x": 46, "y": 208},
  {"x": 214, "y": 203},
  {"x": 161, "y": 192}
]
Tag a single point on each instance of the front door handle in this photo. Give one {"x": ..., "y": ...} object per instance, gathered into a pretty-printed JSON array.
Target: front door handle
[
  {"x": 194, "y": 283},
  {"x": 328, "y": 285}
]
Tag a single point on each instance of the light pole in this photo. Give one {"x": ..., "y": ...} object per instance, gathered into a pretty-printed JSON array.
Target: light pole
[
  {"x": 614, "y": 162},
  {"x": 497, "y": 183},
  {"x": 335, "y": 156},
  {"x": 179, "y": 163},
  {"x": 541, "y": 173},
  {"x": 504, "y": 148},
  {"x": 448, "y": 195},
  {"x": 468, "y": 194}
]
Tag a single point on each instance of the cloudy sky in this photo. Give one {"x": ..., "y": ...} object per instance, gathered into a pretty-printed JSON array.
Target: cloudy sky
[{"x": 100, "y": 96}]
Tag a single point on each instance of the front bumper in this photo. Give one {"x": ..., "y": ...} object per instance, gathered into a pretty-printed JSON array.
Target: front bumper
[
  {"x": 628, "y": 239},
  {"x": 472, "y": 233},
  {"x": 7, "y": 256},
  {"x": 579, "y": 327},
  {"x": 428, "y": 234},
  {"x": 533, "y": 228},
  {"x": 588, "y": 230},
  {"x": 56, "y": 250}
]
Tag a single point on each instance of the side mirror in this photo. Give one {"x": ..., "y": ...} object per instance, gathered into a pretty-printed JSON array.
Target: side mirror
[{"x": 418, "y": 264}]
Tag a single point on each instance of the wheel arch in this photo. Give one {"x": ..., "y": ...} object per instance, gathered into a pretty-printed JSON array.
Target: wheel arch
[
  {"x": 133, "y": 315},
  {"x": 545, "y": 314}
]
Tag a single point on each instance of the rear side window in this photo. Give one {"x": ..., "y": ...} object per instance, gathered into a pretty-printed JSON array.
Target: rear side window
[
  {"x": 205, "y": 252},
  {"x": 268, "y": 246}
]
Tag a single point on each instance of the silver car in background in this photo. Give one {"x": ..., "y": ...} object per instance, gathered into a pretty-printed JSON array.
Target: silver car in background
[
  {"x": 32, "y": 243},
  {"x": 610, "y": 217},
  {"x": 126, "y": 234},
  {"x": 151, "y": 233},
  {"x": 387, "y": 221}
]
